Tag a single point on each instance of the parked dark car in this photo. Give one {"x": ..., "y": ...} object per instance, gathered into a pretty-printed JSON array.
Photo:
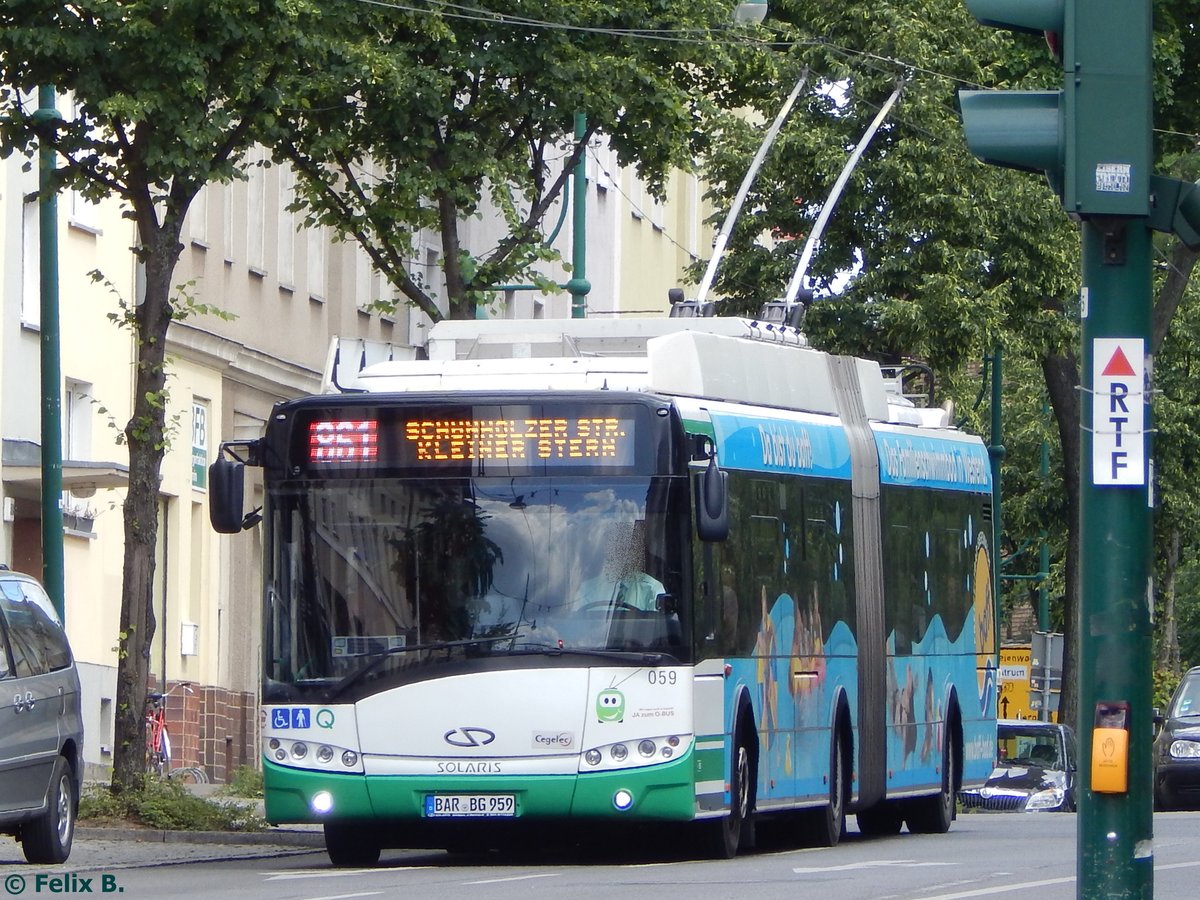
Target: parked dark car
[
  {"x": 1035, "y": 769},
  {"x": 1177, "y": 748},
  {"x": 41, "y": 729}
]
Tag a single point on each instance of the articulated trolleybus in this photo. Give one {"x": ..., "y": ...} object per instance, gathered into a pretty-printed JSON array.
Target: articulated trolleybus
[{"x": 562, "y": 575}]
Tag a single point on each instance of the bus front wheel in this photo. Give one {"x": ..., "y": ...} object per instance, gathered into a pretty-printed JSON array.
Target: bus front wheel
[
  {"x": 349, "y": 846},
  {"x": 727, "y": 834}
]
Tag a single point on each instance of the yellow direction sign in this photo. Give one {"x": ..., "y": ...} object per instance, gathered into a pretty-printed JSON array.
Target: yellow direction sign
[{"x": 1014, "y": 684}]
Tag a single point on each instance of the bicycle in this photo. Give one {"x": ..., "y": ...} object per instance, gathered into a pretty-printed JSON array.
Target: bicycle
[{"x": 158, "y": 738}]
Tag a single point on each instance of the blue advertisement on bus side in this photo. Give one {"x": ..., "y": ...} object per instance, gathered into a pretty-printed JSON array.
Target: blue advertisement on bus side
[
  {"x": 763, "y": 444},
  {"x": 919, "y": 461},
  {"x": 781, "y": 445}
]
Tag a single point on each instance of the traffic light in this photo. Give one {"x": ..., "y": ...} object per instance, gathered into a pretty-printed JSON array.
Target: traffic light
[{"x": 1091, "y": 137}]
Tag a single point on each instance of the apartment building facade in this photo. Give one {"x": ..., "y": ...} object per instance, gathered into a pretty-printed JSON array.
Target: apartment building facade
[{"x": 288, "y": 290}]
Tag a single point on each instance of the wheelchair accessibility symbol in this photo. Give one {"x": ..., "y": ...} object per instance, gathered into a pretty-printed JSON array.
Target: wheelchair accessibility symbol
[{"x": 296, "y": 717}]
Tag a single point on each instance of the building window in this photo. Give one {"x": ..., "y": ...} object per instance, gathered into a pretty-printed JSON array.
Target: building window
[
  {"x": 31, "y": 279},
  {"x": 77, "y": 420},
  {"x": 256, "y": 206},
  {"x": 78, "y": 514},
  {"x": 286, "y": 248},
  {"x": 227, "y": 222},
  {"x": 81, "y": 212},
  {"x": 195, "y": 225},
  {"x": 318, "y": 250},
  {"x": 363, "y": 280}
]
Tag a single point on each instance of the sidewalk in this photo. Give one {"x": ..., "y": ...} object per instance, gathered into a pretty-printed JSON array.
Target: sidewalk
[{"x": 123, "y": 845}]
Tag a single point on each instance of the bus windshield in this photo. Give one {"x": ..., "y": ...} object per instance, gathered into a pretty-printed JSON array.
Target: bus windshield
[{"x": 396, "y": 578}]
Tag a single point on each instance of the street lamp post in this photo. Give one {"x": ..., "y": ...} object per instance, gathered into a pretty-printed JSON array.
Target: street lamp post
[{"x": 51, "y": 387}]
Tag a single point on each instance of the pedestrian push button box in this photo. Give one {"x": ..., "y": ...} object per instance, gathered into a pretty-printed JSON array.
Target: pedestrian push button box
[{"x": 1110, "y": 748}]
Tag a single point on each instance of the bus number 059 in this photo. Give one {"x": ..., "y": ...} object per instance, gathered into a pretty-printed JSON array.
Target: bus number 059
[{"x": 662, "y": 677}]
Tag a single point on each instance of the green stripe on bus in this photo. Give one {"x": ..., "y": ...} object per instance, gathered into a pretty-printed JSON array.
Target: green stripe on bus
[{"x": 660, "y": 792}]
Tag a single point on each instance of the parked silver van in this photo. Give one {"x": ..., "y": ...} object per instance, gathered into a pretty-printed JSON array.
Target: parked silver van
[{"x": 41, "y": 728}]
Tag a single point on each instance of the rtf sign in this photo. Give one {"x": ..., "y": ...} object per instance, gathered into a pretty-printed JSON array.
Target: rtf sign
[{"x": 1118, "y": 411}]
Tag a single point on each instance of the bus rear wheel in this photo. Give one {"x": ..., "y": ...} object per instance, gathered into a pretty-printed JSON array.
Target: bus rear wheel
[
  {"x": 883, "y": 819},
  {"x": 824, "y": 827},
  {"x": 349, "y": 846}
]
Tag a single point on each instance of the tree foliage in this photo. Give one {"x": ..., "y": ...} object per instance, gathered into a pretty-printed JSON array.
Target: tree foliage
[
  {"x": 949, "y": 258},
  {"x": 166, "y": 97},
  {"x": 411, "y": 119}
]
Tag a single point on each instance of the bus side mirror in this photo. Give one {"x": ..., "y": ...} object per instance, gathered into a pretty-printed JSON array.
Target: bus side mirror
[
  {"x": 226, "y": 489},
  {"x": 712, "y": 503}
]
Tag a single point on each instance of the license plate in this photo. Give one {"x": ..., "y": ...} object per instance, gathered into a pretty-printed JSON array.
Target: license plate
[{"x": 491, "y": 806}]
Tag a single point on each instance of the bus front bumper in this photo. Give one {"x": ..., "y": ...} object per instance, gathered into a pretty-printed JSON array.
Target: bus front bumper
[{"x": 664, "y": 792}]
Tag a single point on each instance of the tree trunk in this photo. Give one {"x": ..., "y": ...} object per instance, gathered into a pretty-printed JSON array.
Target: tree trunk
[
  {"x": 1061, "y": 373},
  {"x": 145, "y": 437},
  {"x": 456, "y": 282},
  {"x": 1168, "y": 638}
]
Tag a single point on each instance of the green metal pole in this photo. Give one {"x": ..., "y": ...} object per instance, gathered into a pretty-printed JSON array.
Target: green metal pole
[
  {"x": 996, "y": 455},
  {"x": 52, "y": 514},
  {"x": 579, "y": 285},
  {"x": 1044, "y": 547},
  {"x": 1115, "y": 853}
]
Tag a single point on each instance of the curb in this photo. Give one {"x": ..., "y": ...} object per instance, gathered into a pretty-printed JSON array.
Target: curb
[{"x": 272, "y": 838}]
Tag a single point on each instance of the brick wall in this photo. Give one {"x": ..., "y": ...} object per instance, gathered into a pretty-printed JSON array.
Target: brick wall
[{"x": 212, "y": 728}]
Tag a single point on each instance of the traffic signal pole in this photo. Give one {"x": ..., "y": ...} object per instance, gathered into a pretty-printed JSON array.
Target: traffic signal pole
[
  {"x": 1092, "y": 139},
  {"x": 1115, "y": 856}
]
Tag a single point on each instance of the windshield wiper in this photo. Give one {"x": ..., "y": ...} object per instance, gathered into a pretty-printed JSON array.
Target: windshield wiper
[
  {"x": 645, "y": 657},
  {"x": 381, "y": 656}
]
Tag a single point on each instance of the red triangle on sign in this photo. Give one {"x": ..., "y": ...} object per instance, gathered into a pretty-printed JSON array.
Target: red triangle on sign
[{"x": 1118, "y": 365}]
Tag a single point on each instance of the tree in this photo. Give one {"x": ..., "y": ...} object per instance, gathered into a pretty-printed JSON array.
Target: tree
[
  {"x": 954, "y": 257},
  {"x": 411, "y": 119},
  {"x": 167, "y": 97}
]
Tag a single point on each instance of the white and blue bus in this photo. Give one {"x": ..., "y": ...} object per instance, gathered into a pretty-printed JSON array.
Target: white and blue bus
[{"x": 565, "y": 575}]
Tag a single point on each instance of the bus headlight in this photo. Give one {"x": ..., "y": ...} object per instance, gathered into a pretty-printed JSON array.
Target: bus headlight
[
  {"x": 300, "y": 754},
  {"x": 622, "y": 799},
  {"x": 650, "y": 751}
]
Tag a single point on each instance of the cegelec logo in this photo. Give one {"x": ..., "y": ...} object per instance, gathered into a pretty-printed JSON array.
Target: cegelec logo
[
  {"x": 70, "y": 883},
  {"x": 553, "y": 739}
]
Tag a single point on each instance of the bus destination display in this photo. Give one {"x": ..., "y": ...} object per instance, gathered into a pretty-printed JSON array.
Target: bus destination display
[
  {"x": 580, "y": 440},
  {"x": 441, "y": 439}
]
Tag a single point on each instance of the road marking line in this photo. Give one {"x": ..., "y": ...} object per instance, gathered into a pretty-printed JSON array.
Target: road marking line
[
  {"x": 338, "y": 873},
  {"x": 514, "y": 878},
  {"x": 347, "y": 896},
  {"x": 869, "y": 864},
  {"x": 1002, "y": 889}
]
